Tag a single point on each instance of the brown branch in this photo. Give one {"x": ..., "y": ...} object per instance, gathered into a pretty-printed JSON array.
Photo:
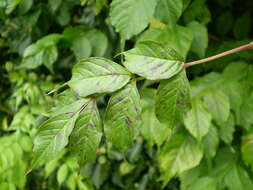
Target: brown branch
[{"x": 232, "y": 51}]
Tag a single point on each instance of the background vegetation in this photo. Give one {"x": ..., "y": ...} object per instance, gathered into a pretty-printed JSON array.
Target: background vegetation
[{"x": 210, "y": 148}]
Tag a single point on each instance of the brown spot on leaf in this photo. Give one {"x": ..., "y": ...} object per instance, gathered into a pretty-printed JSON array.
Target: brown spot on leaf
[
  {"x": 91, "y": 125},
  {"x": 156, "y": 67},
  {"x": 128, "y": 122}
]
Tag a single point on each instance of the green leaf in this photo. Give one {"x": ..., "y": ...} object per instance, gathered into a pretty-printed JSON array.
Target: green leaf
[
  {"x": 173, "y": 99},
  {"x": 54, "y": 4},
  {"x": 224, "y": 22},
  {"x": 44, "y": 51},
  {"x": 122, "y": 116},
  {"x": 247, "y": 149},
  {"x": 97, "y": 75},
  {"x": 200, "y": 38},
  {"x": 231, "y": 71},
  {"x": 86, "y": 136},
  {"x": 237, "y": 178},
  {"x": 66, "y": 102},
  {"x": 227, "y": 129},
  {"x": 198, "y": 120},
  {"x": 179, "y": 154},
  {"x": 234, "y": 91},
  {"x": 50, "y": 55},
  {"x": 218, "y": 104},
  {"x": 99, "y": 5},
  {"x": 211, "y": 142},
  {"x": 98, "y": 41},
  {"x": 179, "y": 38},
  {"x": 246, "y": 119},
  {"x": 81, "y": 47},
  {"x": 130, "y": 17},
  {"x": 243, "y": 25},
  {"x": 62, "y": 174},
  {"x": 152, "y": 130},
  {"x": 24, "y": 6},
  {"x": 169, "y": 11},
  {"x": 206, "y": 183},
  {"x": 52, "y": 137},
  {"x": 153, "y": 61}
]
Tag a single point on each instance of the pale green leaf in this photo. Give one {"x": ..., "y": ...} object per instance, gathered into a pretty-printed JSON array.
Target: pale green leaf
[
  {"x": 87, "y": 133},
  {"x": 153, "y": 61},
  {"x": 200, "y": 38},
  {"x": 234, "y": 91},
  {"x": 98, "y": 41},
  {"x": 227, "y": 129},
  {"x": 211, "y": 142},
  {"x": 198, "y": 120},
  {"x": 179, "y": 154},
  {"x": 173, "y": 99},
  {"x": 169, "y": 11},
  {"x": 62, "y": 174},
  {"x": 123, "y": 116},
  {"x": 152, "y": 129},
  {"x": 218, "y": 105},
  {"x": 179, "y": 38},
  {"x": 232, "y": 70},
  {"x": 130, "y": 17},
  {"x": 81, "y": 47},
  {"x": 97, "y": 75},
  {"x": 52, "y": 137}
]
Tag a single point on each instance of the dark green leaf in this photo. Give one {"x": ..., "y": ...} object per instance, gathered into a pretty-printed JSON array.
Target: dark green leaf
[
  {"x": 123, "y": 117},
  {"x": 173, "y": 99},
  {"x": 86, "y": 136}
]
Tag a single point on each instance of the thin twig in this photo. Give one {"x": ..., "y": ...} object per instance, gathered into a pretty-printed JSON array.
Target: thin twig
[{"x": 232, "y": 51}]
